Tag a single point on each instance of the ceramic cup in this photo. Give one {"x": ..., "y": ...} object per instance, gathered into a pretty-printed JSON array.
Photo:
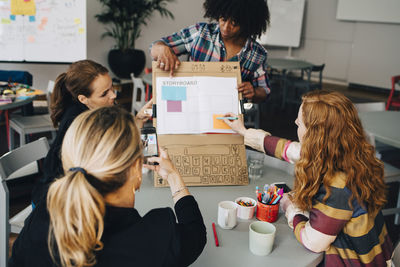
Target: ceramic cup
[
  {"x": 245, "y": 212},
  {"x": 261, "y": 237},
  {"x": 227, "y": 212}
]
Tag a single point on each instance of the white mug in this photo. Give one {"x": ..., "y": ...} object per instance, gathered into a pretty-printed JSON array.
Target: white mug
[
  {"x": 244, "y": 212},
  {"x": 227, "y": 211},
  {"x": 261, "y": 237}
]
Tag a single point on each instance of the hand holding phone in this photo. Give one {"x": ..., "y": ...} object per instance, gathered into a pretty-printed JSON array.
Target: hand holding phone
[
  {"x": 286, "y": 188},
  {"x": 150, "y": 144}
]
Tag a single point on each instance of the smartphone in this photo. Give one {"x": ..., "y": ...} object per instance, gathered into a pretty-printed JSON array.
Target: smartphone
[
  {"x": 285, "y": 187},
  {"x": 150, "y": 144}
]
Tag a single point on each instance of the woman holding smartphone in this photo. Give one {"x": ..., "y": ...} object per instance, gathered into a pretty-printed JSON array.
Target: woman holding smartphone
[{"x": 89, "y": 216}]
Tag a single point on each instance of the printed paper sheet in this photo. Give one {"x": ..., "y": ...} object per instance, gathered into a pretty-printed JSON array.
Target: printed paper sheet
[{"x": 190, "y": 105}]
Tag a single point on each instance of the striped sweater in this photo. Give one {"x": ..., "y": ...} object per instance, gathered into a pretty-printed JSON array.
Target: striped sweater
[{"x": 349, "y": 236}]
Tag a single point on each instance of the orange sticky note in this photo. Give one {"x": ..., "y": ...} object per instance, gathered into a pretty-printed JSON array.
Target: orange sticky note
[{"x": 219, "y": 124}]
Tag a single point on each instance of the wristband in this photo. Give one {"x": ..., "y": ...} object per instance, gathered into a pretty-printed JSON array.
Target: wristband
[
  {"x": 284, "y": 156},
  {"x": 178, "y": 191}
]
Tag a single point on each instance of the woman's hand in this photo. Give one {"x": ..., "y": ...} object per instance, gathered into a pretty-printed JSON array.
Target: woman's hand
[
  {"x": 236, "y": 125},
  {"x": 165, "y": 57},
  {"x": 285, "y": 202},
  {"x": 143, "y": 115},
  {"x": 164, "y": 167},
  {"x": 247, "y": 90}
]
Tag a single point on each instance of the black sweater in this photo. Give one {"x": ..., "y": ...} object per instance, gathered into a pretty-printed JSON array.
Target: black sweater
[
  {"x": 52, "y": 166},
  {"x": 129, "y": 239}
]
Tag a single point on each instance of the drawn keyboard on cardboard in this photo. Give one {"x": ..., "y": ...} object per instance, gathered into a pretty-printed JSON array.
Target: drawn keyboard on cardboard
[{"x": 224, "y": 166}]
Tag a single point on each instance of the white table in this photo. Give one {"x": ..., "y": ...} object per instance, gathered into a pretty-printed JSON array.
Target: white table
[
  {"x": 234, "y": 244},
  {"x": 383, "y": 125}
]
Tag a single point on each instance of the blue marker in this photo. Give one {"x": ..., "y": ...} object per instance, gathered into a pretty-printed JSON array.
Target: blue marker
[{"x": 229, "y": 118}]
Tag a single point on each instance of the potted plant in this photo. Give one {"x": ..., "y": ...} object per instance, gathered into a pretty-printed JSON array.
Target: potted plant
[{"x": 124, "y": 19}]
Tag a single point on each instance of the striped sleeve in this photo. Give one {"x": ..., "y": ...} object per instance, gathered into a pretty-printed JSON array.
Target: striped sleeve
[
  {"x": 282, "y": 148},
  {"x": 327, "y": 219}
]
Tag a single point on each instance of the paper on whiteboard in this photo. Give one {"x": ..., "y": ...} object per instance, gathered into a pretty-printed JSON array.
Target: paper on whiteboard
[{"x": 186, "y": 105}]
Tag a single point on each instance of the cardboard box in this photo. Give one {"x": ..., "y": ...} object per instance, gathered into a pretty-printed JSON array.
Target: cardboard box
[{"x": 204, "y": 159}]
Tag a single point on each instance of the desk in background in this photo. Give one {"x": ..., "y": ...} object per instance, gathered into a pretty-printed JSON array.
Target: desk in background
[
  {"x": 19, "y": 102},
  {"x": 385, "y": 127},
  {"x": 284, "y": 65},
  {"x": 234, "y": 244}
]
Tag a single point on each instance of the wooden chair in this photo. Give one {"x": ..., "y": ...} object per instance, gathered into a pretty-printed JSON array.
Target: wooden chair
[
  {"x": 25, "y": 125},
  {"x": 392, "y": 100},
  {"x": 10, "y": 163}
]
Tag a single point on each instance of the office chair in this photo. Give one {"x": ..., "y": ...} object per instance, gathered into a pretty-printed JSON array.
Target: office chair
[
  {"x": 9, "y": 164},
  {"x": 394, "y": 101},
  {"x": 25, "y": 125}
]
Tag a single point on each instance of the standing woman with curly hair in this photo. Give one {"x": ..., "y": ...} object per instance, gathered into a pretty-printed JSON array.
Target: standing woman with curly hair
[
  {"x": 339, "y": 190},
  {"x": 230, "y": 37}
]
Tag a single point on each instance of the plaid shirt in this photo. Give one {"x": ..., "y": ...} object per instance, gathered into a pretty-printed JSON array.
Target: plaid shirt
[{"x": 203, "y": 42}]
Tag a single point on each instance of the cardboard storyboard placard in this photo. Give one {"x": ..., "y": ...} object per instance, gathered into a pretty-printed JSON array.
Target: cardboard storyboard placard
[{"x": 204, "y": 150}]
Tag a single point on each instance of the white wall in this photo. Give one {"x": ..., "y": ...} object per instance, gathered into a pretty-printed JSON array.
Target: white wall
[{"x": 356, "y": 52}]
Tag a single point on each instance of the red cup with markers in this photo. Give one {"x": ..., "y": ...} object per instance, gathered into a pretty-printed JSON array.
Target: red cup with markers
[{"x": 267, "y": 213}]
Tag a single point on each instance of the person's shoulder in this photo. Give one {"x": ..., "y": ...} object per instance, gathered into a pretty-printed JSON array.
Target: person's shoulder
[
  {"x": 71, "y": 112},
  {"x": 201, "y": 26},
  {"x": 160, "y": 216},
  {"x": 259, "y": 48},
  {"x": 75, "y": 109}
]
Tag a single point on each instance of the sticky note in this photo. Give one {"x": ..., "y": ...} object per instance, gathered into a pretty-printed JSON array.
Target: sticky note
[
  {"x": 44, "y": 20},
  {"x": 32, "y": 18},
  {"x": 175, "y": 93},
  {"x": 77, "y": 20},
  {"x": 12, "y": 17},
  {"x": 5, "y": 21},
  {"x": 174, "y": 106},
  {"x": 81, "y": 30},
  {"x": 219, "y": 124},
  {"x": 31, "y": 39},
  {"x": 21, "y": 7}
]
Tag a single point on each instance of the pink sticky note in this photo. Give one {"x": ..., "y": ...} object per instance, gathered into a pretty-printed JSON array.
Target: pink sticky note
[{"x": 174, "y": 106}]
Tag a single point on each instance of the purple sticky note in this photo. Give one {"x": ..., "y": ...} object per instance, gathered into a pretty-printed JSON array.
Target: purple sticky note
[{"x": 174, "y": 106}]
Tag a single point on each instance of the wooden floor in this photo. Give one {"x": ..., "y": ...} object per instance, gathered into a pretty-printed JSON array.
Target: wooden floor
[{"x": 273, "y": 119}]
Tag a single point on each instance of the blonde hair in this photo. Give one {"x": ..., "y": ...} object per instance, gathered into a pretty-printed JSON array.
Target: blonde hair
[
  {"x": 335, "y": 142},
  {"x": 105, "y": 142}
]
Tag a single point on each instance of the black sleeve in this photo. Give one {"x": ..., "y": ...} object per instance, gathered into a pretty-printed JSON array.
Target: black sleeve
[{"x": 190, "y": 230}]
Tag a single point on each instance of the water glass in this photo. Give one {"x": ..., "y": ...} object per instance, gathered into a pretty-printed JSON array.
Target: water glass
[{"x": 255, "y": 165}]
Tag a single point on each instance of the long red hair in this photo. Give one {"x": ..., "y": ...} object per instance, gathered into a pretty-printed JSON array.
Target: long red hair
[{"x": 335, "y": 142}]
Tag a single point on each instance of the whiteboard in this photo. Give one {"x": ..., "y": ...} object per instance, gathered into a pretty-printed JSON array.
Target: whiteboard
[
  {"x": 42, "y": 30},
  {"x": 369, "y": 10},
  {"x": 286, "y": 22}
]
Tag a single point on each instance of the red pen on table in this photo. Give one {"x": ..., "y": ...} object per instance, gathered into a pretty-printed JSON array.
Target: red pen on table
[{"x": 215, "y": 235}]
